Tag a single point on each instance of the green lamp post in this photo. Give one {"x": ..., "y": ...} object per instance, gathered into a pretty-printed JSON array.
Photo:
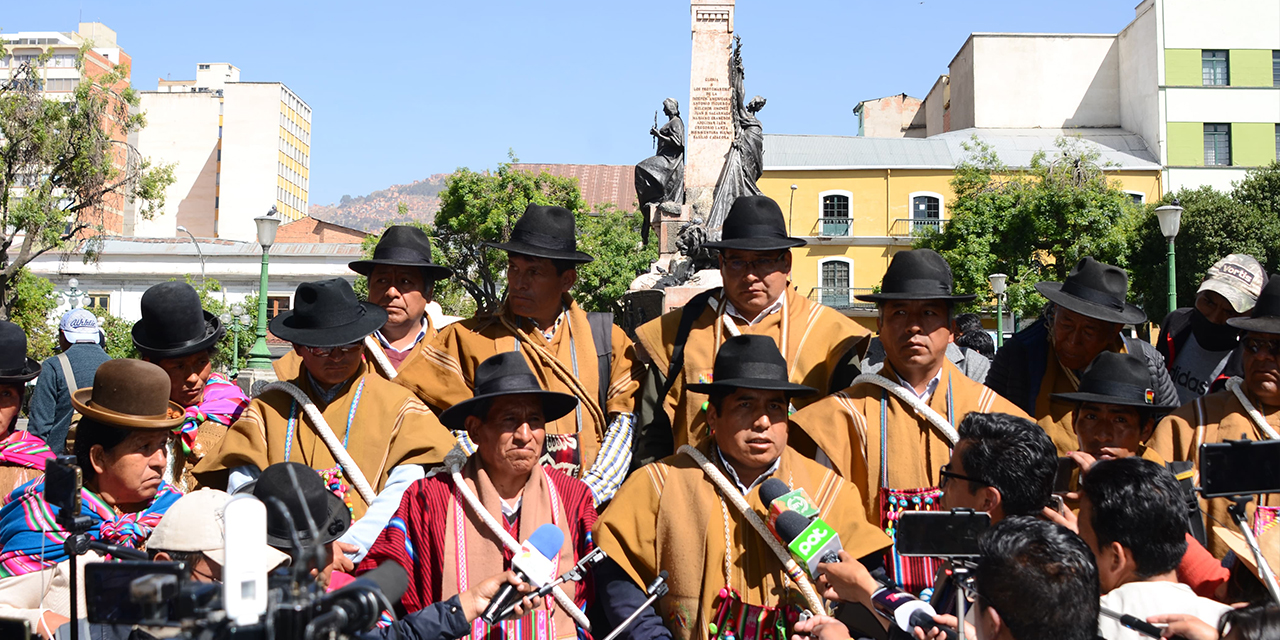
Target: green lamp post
[
  {"x": 1170, "y": 218},
  {"x": 259, "y": 356},
  {"x": 998, "y": 284}
]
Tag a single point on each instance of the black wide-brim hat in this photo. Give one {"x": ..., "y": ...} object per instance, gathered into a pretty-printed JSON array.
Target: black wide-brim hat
[
  {"x": 754, "y": 223},
  {"x": 1265, "y": 317},
  {"x": 750, "y": 362},
  {"x": 917, "y": 274},
  {"x": 331, "y": 515},
  {"x": 403, "y": 246},
  {"x": 503, "y": 375},
  {"x": 1094, "y": 290},
  {"x": 15, "y": 366},
  {"x": 545, "y": 232},
  {"x": 1116, "y": 378},
  {"x": 173, "y": 323},
  {"x": 327, "y": 314}
]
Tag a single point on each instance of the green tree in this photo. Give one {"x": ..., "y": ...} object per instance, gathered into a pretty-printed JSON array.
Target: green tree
[
  {"x": 34, "y": 304},
  {"x": 63, "y": 163},
  {"x": 119, "y": 334},
  {"x": 1260, "y": 189},
  {"x": 1032, "y": 224},
  {"x": 612, "y": 236}
]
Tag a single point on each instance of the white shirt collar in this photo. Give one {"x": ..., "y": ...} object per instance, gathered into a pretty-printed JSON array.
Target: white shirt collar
[
  {"x": 509, "y": 510},
  {"x": 733, "y": 475},
  {"x": 768, "y": 311},
  {"x": 928, "y": 389},
  {"x": 422, "y": 333}
]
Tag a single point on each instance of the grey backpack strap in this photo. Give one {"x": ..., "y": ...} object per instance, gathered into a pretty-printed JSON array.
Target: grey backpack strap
[
  {"x": 67, "y": 373},
  {"x": 602, "y": 335}
]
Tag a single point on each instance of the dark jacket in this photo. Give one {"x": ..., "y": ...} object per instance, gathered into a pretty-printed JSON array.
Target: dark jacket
[
  {"x": 1020, "y": 364},
  {"x": 1174, "y": 332},
  {"x": 50, "y": 409}
]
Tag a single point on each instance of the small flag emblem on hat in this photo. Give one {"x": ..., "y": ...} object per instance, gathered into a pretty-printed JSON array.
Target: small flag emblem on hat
[{"x": 1151, "y": 397}]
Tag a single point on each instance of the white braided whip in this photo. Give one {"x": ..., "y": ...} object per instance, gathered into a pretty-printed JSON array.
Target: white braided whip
[
  {"x": 349, "y": 466},
  {"x": 454, "y": 461},
  {"x": 815, "y": 603},
  {"x": 912, "y": 401},
  {"x": 380, "y": 357},
  {"x": 1234, "y": 385}
]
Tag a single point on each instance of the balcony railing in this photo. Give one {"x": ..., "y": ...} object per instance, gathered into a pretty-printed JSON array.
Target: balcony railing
[
  {"x": 914, "y": 227},
  {"x": 841, "y": 297},
  {"x": 838, "y": 227}
]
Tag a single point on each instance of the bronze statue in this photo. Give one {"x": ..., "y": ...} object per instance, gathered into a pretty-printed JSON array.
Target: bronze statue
[
  {"x": 745, "y": 163},
  {"x": 660, "y": 179}
]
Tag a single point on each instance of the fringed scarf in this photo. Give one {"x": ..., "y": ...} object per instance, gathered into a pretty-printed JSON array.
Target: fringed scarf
[
  {"x": 21, "y": 449},
  {"x": 223, "y": 403}
]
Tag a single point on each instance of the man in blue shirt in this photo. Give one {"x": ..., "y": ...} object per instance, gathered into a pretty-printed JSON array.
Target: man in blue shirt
[{"x": 80, "y": 339}]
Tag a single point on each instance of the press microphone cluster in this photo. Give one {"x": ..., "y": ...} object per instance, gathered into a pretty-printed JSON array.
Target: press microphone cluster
[
  {"x": 535, "y": 564},
  {"x": 358, "y": 605}
]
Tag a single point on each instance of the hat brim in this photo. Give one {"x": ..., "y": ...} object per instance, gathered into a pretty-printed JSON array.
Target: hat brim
[
  {"x": 30, "y": 371},
  {"x": 82, "y": 401},
  {"x": 789, "y": 388},
  {"x": 213, "y": 333},
  {"x": 1129, "y": 315},
  {"x": 757, "y": 244},
  {"x": 1239, "y": 300},
  {"x": 372, "y": 320},
  {"x": 541, "y": 252},
  {"x": 338, "y": 512},
  {"x": 886, "y": 297},
  {"x": 1099, "y": 398},
  {"x": 433, "y": 271},
  {"x": 1265, "y": 324},
  {"x": 555, "y": 405},
  {"x": 271, "y": 557}
]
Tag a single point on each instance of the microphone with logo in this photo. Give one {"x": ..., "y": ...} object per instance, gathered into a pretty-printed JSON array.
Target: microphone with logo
[
  {"x": 778, "y": 497},
  {"x": 535, "y": 564}
]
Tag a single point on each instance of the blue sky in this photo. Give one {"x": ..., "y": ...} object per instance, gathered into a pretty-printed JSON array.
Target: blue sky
[{"x": 403, "y": 90}]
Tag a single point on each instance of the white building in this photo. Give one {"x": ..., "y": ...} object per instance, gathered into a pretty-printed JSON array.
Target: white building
[{"x": 240, "y": 148}]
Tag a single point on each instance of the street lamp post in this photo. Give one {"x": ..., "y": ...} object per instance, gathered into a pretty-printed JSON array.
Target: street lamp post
[
  {"x": 998, "y": 284},
  {"x": 1170, "y": 218},
  {"x": 72, "y": 295},
  {"x": 259, "y": 355},
  {"x": 236, "y": 320},
  {"x": 198, "y": 252}
]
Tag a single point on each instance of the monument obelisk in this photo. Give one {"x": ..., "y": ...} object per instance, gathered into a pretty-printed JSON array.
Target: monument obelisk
[{"x": 710, "y": 106}]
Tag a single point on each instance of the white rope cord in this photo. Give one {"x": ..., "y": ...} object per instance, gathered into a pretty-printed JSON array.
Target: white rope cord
[
  {"x": 380, "y": 357},
  {"x": 797, "y": 574},
  {"x": 939, "y": 422},
  {"x": 349, "y": 466},
  {"x": 1234, "y": 385},
  {"x": 454, "y": 463}
]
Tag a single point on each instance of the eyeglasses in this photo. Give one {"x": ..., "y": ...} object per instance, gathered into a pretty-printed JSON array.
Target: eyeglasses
[
  {"x": 945, "y": 473},
  {"x": 760, "y": 265},
  {"x": 1257, "y": 345},
  {"x": 325, "y": 352}
]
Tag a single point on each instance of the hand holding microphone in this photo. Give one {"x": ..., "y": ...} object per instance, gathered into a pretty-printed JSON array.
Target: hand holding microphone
[{"x": 535, "y": 564}]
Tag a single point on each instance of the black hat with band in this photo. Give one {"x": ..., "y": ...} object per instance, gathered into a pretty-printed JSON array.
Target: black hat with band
[
  {"x": 1116, "y": 378},
  {"x": 917, "y": 274},
  {"x": 751, "y": 362},
  {"x": 507, "y": 374},
  {"x": 545, "y": 232},
  {"x": 1094, "y": 290},
  {"x": 1265, "y": 317}
]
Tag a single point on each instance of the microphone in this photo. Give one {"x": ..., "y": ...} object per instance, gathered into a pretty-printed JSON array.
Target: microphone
[
  {"x": 905, "y": 610},
  {"x": 778, "y": 497},
  {"x": 811, "y": 542},
  {"x": 357, "y": 606},
  {"x": 574, "y": 574},
  {"x": 534, "y": 565}
]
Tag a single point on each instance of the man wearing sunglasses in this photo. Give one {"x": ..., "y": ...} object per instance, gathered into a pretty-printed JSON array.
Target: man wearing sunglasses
[
  {"x": 378, "y": 425},
  {"x": 1247, "y": 409}
]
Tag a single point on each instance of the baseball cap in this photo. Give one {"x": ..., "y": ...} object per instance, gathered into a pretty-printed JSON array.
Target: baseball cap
[
  {"x": 194, "y": 523},
  {"x": 1238, "y": 278},
  {"x": 80, "y": 325}
]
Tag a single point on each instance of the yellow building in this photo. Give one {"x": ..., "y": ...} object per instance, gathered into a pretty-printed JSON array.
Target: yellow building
[{"x": 857, "y": 200}]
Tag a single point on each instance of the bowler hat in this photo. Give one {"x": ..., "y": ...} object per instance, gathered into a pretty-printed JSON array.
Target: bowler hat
[
  {"x": 403, "y": 246},
  {"x": 503, "y": 375},
  {"x": 309, "y": 495},
  {"x": 15, "y": 366},
  {"x": 917, "y": 274},
  {"x": 131, "y": 394},
  {"x": 327, "y": 314},
  {"x": 1116, "y": 378},
  {"x": 751, "y": 362},
  {"x": 754, "y": 223},
  {"x": 1265, "y": 317},
  {"x": 545, "y": 232},
  {"x": 1094, "y": 290},
  {"x": 173, "y": 324}
]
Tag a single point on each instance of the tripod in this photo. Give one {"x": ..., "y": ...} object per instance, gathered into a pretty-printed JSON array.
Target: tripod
[{"x": 1237, "y": 511}]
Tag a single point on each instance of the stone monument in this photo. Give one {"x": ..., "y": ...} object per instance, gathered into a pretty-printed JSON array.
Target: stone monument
[{"x": 660, "y": 178}]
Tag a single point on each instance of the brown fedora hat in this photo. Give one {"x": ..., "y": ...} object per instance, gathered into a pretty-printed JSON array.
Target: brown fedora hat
[{"x": 130, "y": 394}]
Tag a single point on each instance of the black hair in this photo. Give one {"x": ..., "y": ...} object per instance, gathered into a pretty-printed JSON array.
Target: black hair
[
  {"x": 979, "y": 341},
  {"x": 1139, "y": 504},
  {"x": 187, "y": 558},
  {"x": 1013, "y": 455},
  {"x": 716, "y": 398},
  {"x": 1258, "y": 621},
  {"x": 90, "y": 432},
  {"x": 562, "y": 266},
  {"x": 1041, "y": 578},
  {"x": 967, "y": 322}
]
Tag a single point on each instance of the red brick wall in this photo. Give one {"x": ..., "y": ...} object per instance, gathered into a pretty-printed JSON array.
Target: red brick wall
[{"x": 313, "y": 230}]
